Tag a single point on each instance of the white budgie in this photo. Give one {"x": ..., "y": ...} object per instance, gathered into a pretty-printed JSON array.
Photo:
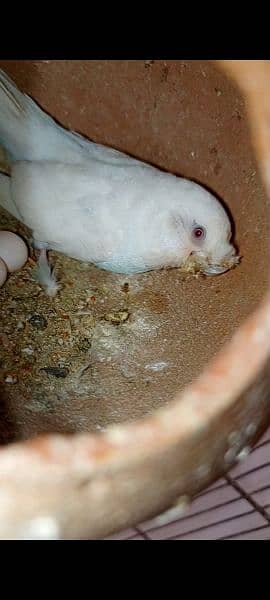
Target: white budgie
[{"x": 99, "y": 205}]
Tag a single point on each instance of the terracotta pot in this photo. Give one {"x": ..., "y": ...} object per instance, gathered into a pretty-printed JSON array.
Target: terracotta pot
[{"x": 187, "y": 117}]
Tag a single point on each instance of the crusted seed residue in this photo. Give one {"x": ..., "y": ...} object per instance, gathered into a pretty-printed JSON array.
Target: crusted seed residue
[
  {"x": 180, "y": 507},
  {"x": 234, "y": 438},
  {"x": 244, "y": 453},
  {"x": 251, "y": 429},
  {"x": 118, "y": 317},
  {"x": 230, "y": 455}
]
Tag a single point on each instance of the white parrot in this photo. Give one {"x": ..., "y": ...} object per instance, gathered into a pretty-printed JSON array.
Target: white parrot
[{"x": 99, "y": 205}]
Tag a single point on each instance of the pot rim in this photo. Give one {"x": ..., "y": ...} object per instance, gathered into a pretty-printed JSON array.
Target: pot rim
[{"x": 191, "y": 410}]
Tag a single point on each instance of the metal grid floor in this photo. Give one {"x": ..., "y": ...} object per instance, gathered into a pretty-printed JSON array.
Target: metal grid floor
[{"x": 236, "y": 507}]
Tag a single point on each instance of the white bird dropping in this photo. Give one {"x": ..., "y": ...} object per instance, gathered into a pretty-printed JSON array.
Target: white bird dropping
[
  {"x": 13, "y": 250},
  {"x": 3, "y": 272}
]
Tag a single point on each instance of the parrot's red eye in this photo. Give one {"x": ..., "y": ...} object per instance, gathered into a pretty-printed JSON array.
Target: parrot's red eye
[{"x": 199, "y": 233}]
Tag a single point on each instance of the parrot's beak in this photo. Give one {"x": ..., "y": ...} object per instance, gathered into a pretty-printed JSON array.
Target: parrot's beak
[
  {"x": 198, "y": 263},
  {"x": 226, "y": 265},
  {"x": 215, "y": 270}
]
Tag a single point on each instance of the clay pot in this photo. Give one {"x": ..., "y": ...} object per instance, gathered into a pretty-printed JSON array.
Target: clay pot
[{"x": 196, "y": 119}]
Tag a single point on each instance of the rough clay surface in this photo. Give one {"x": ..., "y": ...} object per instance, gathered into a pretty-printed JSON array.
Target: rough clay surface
[{"x": 112, "y": 348}]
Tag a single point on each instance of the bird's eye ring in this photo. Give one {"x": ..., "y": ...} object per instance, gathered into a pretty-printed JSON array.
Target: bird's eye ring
[{"x": 199, "y": 233}]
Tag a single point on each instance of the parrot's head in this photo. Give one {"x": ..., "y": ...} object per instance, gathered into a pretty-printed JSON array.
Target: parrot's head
[{"x": 206, "y": 232}]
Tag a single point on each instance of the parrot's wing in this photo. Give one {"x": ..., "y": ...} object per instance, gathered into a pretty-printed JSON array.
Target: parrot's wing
[{"x": 28, "y": 133}]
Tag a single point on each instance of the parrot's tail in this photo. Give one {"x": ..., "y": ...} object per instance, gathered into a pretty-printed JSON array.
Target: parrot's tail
[
  {"x": 5, "y": 196},
  {"x": 28, "y": 133}
]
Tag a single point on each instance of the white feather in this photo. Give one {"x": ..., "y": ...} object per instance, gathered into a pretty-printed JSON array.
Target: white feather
[{"x": 46, "y": 276}]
